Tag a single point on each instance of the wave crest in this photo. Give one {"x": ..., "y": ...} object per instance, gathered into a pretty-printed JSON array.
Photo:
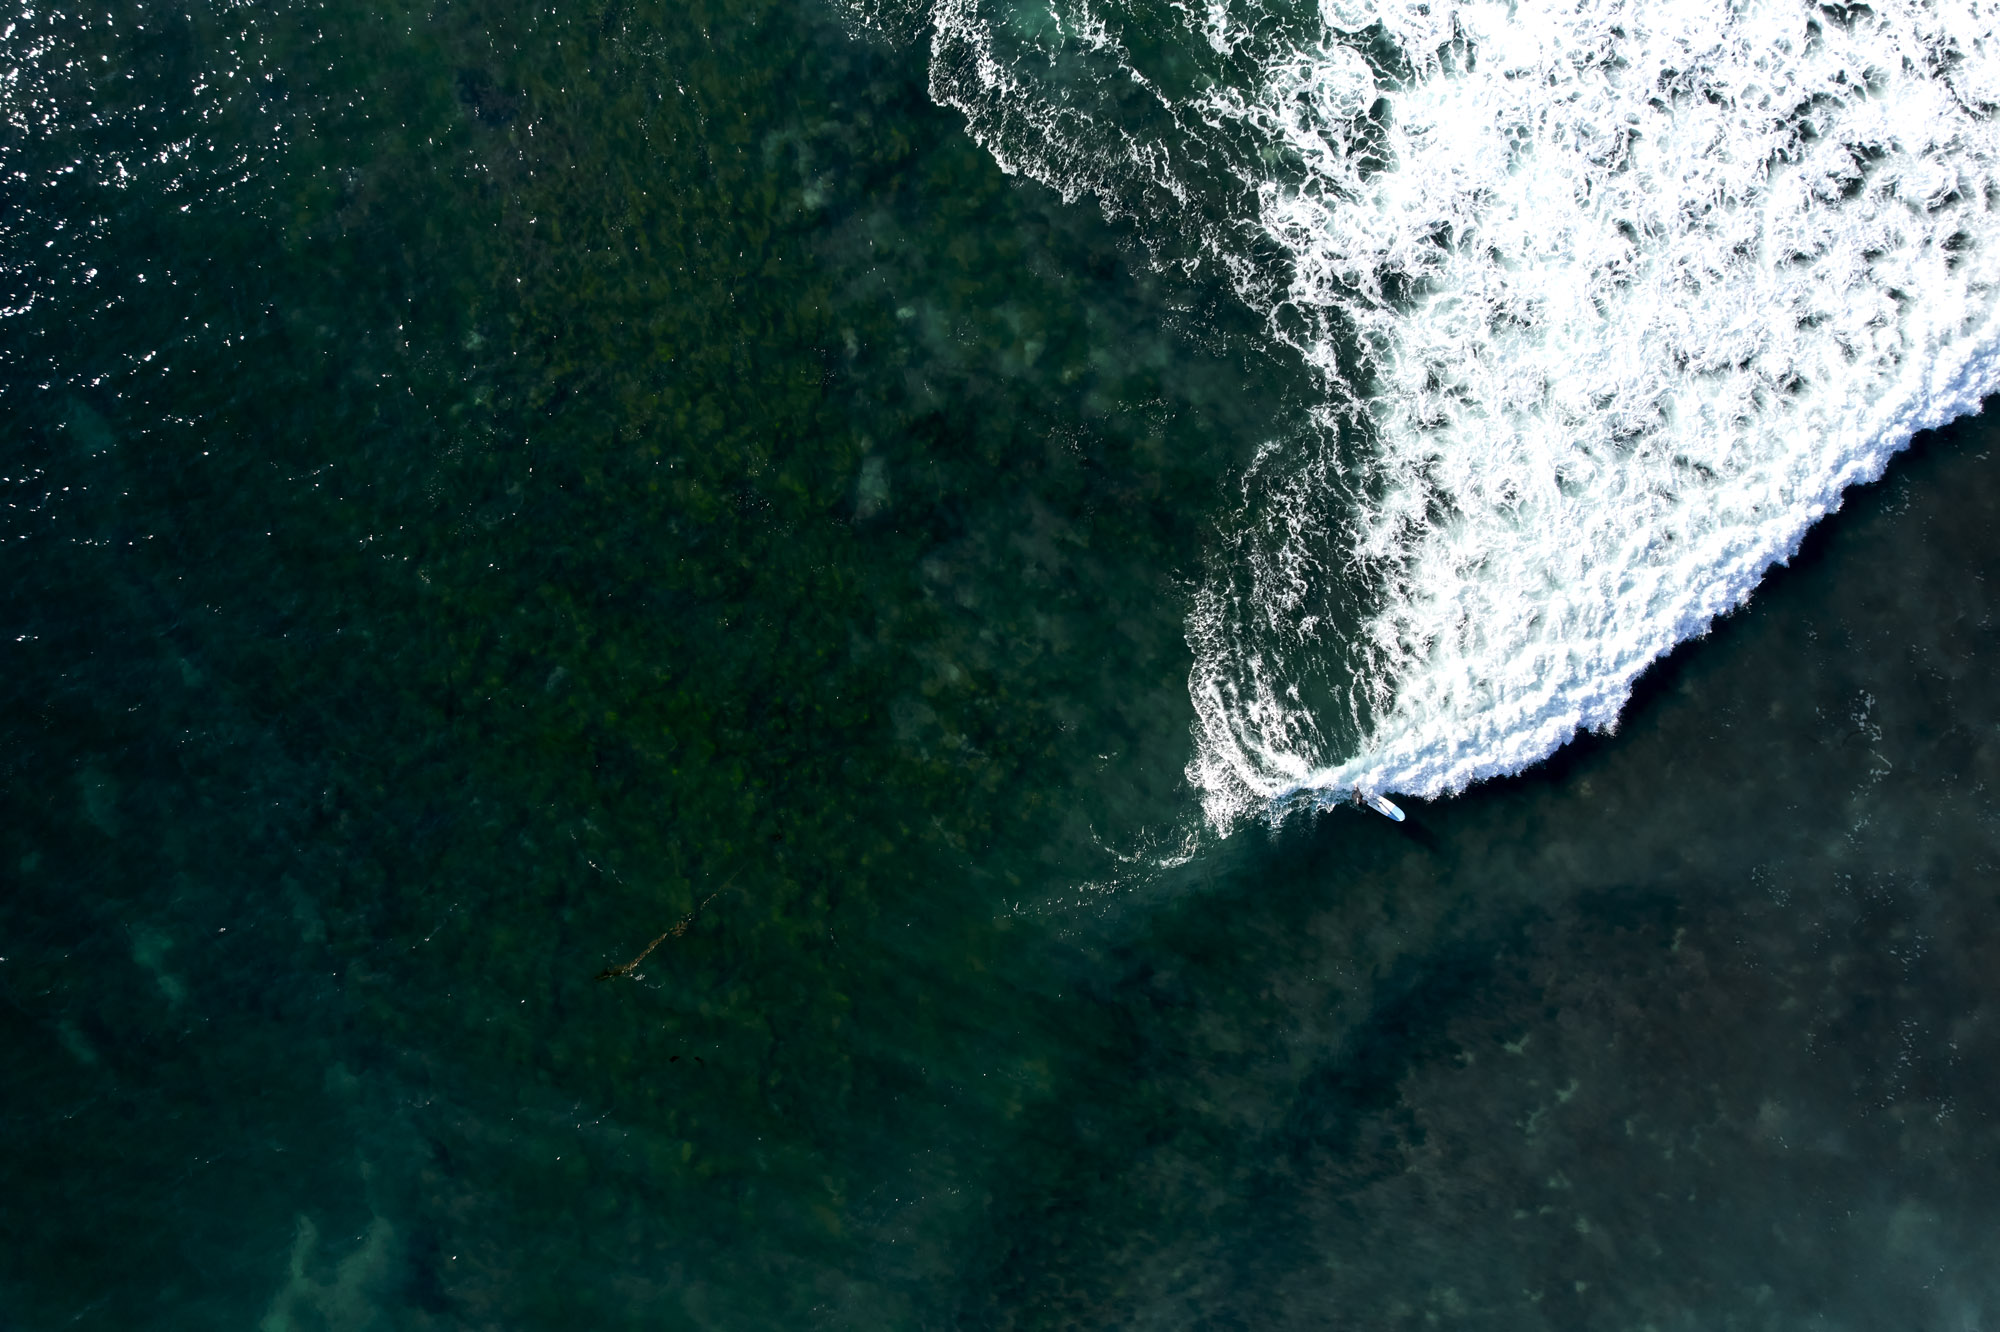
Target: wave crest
[{"x": 1610, "y": 301}]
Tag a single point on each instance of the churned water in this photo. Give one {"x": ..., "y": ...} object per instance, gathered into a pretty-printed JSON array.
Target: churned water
[
  {"x": 1618, "y": 298},
  {"x": 689, "y": 665}
]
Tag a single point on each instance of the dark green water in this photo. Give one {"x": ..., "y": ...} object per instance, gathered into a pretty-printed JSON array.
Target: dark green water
[{"x": 489, "y": 485}]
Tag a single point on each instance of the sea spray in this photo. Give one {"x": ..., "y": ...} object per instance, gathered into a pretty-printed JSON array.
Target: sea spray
[{"x": 1609, "y": 302}]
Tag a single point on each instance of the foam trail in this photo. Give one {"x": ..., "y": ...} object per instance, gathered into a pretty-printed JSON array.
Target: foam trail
[{"x": 1611, "y": 302}]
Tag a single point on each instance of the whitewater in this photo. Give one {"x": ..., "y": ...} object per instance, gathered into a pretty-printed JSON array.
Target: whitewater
[{"x": 1609, "y": 303}]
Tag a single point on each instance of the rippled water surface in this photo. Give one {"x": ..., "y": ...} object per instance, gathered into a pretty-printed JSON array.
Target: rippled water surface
[{"x": 596, "y": 654}]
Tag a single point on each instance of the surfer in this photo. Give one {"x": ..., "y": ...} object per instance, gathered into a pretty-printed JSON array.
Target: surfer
[{"x": 1382, "y": 805}]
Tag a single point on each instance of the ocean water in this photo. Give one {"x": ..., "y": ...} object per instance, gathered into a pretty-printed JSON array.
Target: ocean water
[
  {"x": 1610, "y": 302},
  {"x": 698, "y": 665}
]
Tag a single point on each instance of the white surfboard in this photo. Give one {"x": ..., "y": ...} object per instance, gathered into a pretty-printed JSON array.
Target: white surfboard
[{"x": 1383, "y": 805}]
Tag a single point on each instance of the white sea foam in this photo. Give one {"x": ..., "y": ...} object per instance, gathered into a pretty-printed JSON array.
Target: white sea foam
[{"x": 1635, "y": 291}]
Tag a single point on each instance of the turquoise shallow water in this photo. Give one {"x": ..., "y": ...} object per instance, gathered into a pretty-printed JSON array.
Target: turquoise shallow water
[{"x": 490, "y": 489}]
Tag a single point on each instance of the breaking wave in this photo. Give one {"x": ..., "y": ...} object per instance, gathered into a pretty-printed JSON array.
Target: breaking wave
[{"x": 1609, "y": 301}]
